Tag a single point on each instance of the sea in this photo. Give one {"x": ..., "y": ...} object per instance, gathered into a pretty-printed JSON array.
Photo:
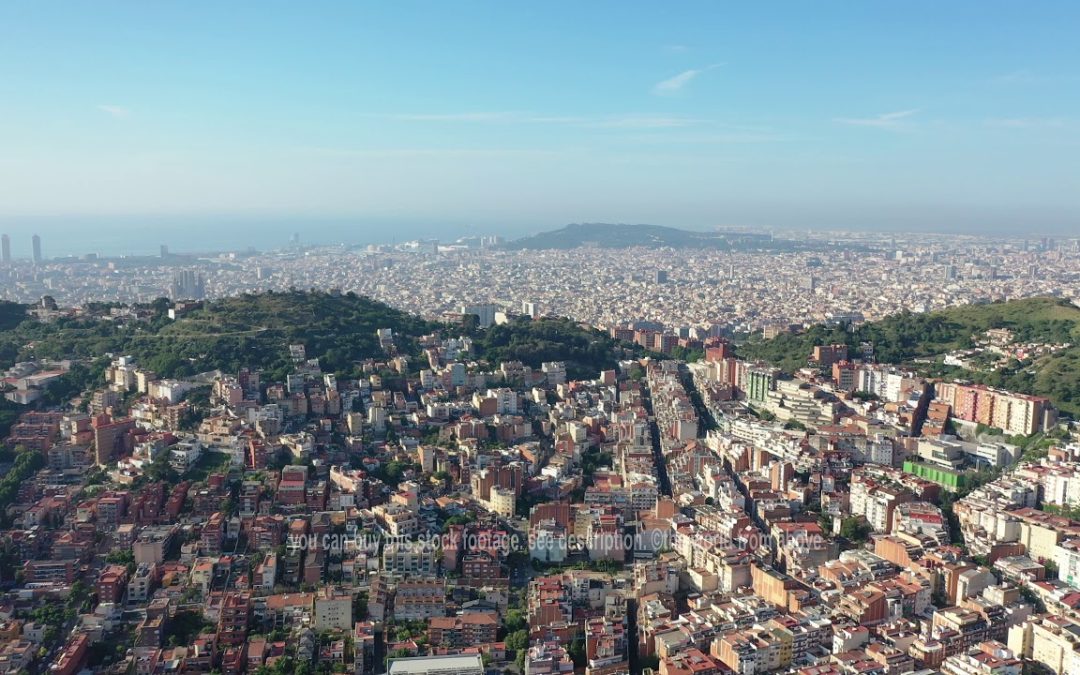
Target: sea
[{"x": 110, "y": 236}]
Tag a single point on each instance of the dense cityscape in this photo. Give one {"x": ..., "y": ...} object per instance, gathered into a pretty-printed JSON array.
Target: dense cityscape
[
  {"x": 505, "y": 491},
  {"x": 563, "y": 338},
  {"x": 853, "y": 276}
]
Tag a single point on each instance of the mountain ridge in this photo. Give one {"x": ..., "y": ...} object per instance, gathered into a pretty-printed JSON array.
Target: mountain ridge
[{"x": 622, "y": 235}]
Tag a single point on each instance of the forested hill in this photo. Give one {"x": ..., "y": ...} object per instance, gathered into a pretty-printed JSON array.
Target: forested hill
[
  {"x": 905, "y": 337},
  {"x": 607, "y": 235},
  {"x": 585, "y": 350},
  {"x": 11, "y": 314},
  {"x": 255, "y": 330},
  {"x": 251, "y": 329}
]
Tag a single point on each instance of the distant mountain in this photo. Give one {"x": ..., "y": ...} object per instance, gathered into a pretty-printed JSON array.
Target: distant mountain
[{"x": 607, "y": 235}]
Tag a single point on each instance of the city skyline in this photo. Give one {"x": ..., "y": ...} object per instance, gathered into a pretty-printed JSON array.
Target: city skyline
[{"x": 508, "y": 119}]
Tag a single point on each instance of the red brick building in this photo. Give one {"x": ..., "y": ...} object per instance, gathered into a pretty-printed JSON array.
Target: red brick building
[{"x": 112, "y": 583}]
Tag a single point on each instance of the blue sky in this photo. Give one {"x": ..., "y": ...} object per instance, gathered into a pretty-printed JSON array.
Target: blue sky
[{"x": 917, "y": 115}]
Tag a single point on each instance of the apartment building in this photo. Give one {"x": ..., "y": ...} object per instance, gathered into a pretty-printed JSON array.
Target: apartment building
[
  {"x": 409, "y": 558},
  {"x": 465, "y": 630},
  {"x": 419, "y": 600}
]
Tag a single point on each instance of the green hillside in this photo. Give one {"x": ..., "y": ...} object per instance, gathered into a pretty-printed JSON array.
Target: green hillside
[
  {"x": 11, "y": 314},
  {"x": 586, "y": 351},
  {"x": 255, "y": 330},
  {"x": 905, "y": 337},
  {"x": 226, "y": 334}
]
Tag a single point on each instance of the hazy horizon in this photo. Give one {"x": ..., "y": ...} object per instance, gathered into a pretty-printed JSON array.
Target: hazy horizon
[{"x": 135, "y": 235}]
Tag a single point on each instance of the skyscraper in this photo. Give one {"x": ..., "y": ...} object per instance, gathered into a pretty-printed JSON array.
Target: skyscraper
[
  {"x": 5, "y": 242},
  {"x": 37, "y": 250}
]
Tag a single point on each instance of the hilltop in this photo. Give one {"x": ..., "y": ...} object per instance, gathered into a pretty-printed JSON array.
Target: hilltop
[
  {"x": 255, "y": 330},
  {"x": 585, "y": 350},
  {"x": 252, "y": 329},
  {"x": 922, "y": 340},
  {"x": 606, "y": 235}
]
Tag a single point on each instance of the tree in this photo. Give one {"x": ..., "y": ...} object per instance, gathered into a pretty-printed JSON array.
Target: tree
[
  {"x": 26, "y": 465},
  {"x": 360, "y": 606},
  {"x": 398, "y": 654},
  {"x": 392, "y": 472},
  {"x": 576, "y": 652},
  {"x": 855, "y": 529},
  {"x": 161, "y": 470},
  {"x": 120, "y": 556},
  {"x": 463, "y": 519},
  {"x": 78, "y": 595},
  {"x": 185, "y": 626},
  {"x": 514, "y": 621},
  {"x": 518, "y": 640}
]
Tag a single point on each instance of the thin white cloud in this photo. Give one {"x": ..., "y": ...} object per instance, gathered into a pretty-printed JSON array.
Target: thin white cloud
[
  {"x": 552, "y": 119},
  {"x": 116, "y": 111},
  {"x": 891, "y": 120},
  {"x": 1022, "y": 76},
  {"x": 620, "y": 121},
  {"x": 456, "y": 117},
  {"x": 645, "y": 122},
  {"x": 674, "y": 85},
  {"x": 1027, "y": 123},
  {"x": 678, "y": 49},
  {"x": 384, "y": 153},
  {"x": 718, "y": 138}
]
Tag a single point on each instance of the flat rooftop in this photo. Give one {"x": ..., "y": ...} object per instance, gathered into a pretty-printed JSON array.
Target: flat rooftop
[{"x": 457, "y": 664}]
